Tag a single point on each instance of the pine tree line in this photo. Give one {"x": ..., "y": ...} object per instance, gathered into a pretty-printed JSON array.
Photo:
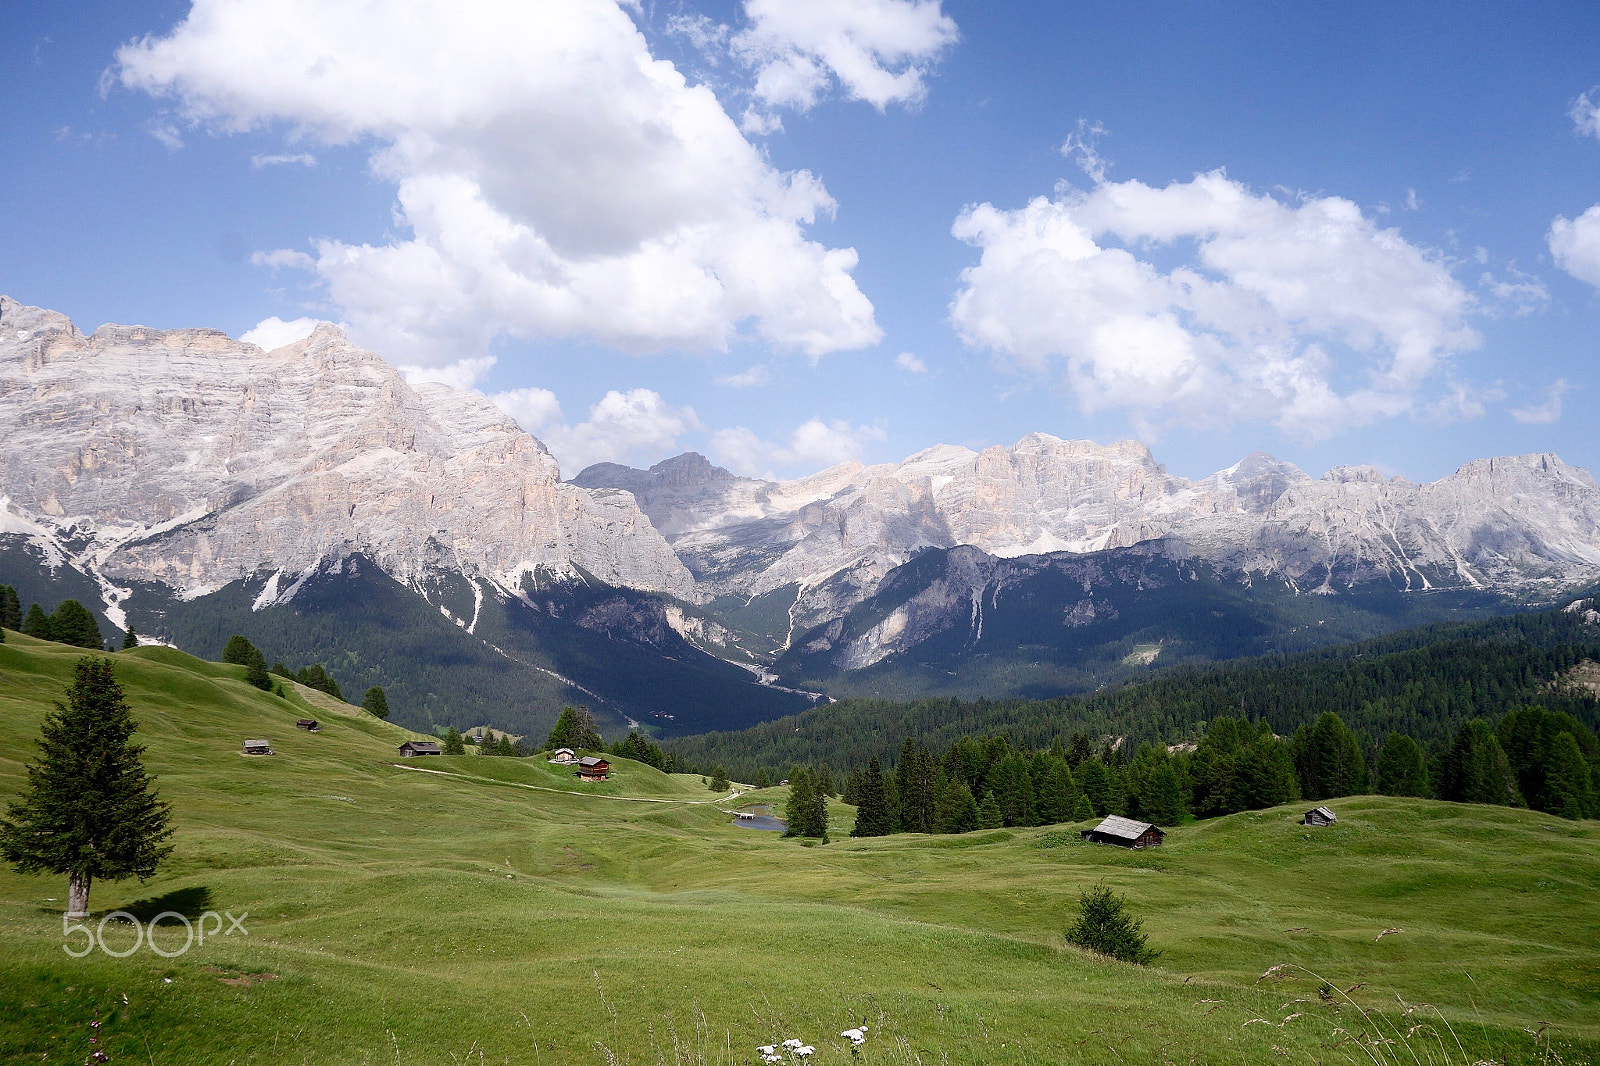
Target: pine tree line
[{"x": 70, "y": 623}]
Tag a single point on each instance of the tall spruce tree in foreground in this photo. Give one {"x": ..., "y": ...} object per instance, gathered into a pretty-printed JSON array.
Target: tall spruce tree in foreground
[
  {"x": 88, "y": 810},
  {"x": 575, "y": 729},
  {"x": 799, "y": 813},
  {"x": 10, "y": 608}
]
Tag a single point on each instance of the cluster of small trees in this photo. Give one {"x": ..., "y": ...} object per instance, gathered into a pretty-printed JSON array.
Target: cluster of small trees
[
  {"x": 241, "y": 652},
  {"x": 503, "y": 745},
  {"x": 635, "y": 747},
  {"x": 1535, "y": 757},
  {"x": 70, "y": 623}
]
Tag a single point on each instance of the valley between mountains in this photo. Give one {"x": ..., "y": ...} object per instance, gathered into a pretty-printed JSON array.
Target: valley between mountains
[{"x": 414, "y": 537}]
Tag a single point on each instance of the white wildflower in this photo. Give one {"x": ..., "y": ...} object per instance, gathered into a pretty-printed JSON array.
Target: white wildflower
[
  {"x": 791, "y": 1044},
  {"x": 805, "y": 1051},
  {"x": 856, "y": 1036}
]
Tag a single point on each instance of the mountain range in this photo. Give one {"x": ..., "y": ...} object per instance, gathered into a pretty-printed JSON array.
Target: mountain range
[{"x": 195, "y": 485}]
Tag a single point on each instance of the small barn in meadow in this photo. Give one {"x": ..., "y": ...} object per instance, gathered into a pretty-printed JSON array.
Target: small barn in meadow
[
  {"x": 310, "y": 725},
  {"x": 258, "y": 747},
  {"x": 1125, "y": 833},
  {"x": 593, "y": 769},
  {"x": 564, "y": 756},
  {"x": 419, "y": 747},
  {"x": 1319, "y": 816}
]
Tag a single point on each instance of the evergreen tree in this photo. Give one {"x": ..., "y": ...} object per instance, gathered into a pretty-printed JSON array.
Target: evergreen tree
[
  {"x": 88, "y": 810},
  {"x": 1529, "y": 736},
  {"x": 1082, "y": 809},
  {"x": 1095, "y": 781},
  {"x": 1402, "y": 768},
  {"x": 1012, "y": 786},
  {"x": 1476, "y": 769},
  {"x": 914, "y": 785},
  {"x": 1327, "y": 758},
  {"x": 763, "y": 779},
  {"x": 825, "y": 781},
  {"x": 1569, "y": 781},
  {"x": 806, "y": 813},
  {"x": 486, "y": 745},
  {"x": 958, "y": 811},
  {"x": 282, "y": 671},
  {"x": 1154, "y": 780},
  {"x": 314, "y": 676},
  {"x": 873, "y": 817},
  {"x": 719, "y": 780},
  {"x": 1078, "y": 749},
  {"x": 130, "y": 639},
  {"x": 575, "y": 729},
  {"x": 10, "y": 608},
  {"x": 1105, "y": 927},
  {"x": 375, "y": 702},
  {"x": 504, "y": 747},
  {"x": 1055, "y": 793},
  {"x": 37, "y": 623},
  {"x": 73, "y": 624},
  {"x": 452, "y": 742},
  {"x": 989, "y": 816},
  {"x": 238, "y": 650}
]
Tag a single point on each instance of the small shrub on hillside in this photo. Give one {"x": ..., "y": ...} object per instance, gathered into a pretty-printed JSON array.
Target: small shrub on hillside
[{"x": 1104, "y": 926}]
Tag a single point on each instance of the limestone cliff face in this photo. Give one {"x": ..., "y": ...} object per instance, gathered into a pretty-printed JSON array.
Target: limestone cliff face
[
  {"x": 187, "y": 458},
  {"x": 1525, "y": 524}
]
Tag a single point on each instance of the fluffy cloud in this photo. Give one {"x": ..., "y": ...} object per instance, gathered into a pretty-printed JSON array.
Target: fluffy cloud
[
  {"x": 274, "y": 332},
  {"x": 1575, "y": 244},
  {"x": 877, "y": 50},
  {"x": 1545, "y": 413},
  {"x": 813, "y": 445},
  {"x": 910, "y": 363},
  {"x": 556, "y": 179},
  {"x": 635, "y": 427},
  {"x": 1244, "y": 327},
  {"x": 304, "y": 159}
]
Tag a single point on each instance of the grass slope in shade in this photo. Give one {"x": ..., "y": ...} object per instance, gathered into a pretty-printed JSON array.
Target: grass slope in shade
[{"x": 461, "y": 915}]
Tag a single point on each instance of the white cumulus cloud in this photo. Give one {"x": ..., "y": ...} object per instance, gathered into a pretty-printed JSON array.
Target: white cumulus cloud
[
  {"x": 1302, "y": 313},
  {"x": 552, "y": 177},
  {"x": 634, "y": 427},
  {"x": 274, "y": 332},
  {"x": 910, "y": 363},
  {"x": 1575, "y": 244},
  {"x": 283, "y": 159},
  {"x": 1585, "y": 113},
  {"x": 879, "y": 51},
  {"x": 815, "y": 444}
]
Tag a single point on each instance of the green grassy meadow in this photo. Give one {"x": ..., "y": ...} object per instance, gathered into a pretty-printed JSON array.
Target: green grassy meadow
[{"x": 497, "y": 910}]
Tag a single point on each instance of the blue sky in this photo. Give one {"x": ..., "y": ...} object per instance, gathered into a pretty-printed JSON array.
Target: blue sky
[{"x": 1377, "y": 267}]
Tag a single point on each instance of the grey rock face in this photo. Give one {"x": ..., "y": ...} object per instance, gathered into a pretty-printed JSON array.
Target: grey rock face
[
  {"x": 1525, "y": 524},
  {"x": 190, "y": 459}
]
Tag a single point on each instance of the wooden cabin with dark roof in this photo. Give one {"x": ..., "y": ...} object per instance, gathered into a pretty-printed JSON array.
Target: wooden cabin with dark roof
[
  {"x": 1125, "y": 833},
  {"x": 419, "y": 747},
  {"x": 593, "y": 769},
  {"x": 1319, "y": 816},
  {"x": 310, "y": 725}
]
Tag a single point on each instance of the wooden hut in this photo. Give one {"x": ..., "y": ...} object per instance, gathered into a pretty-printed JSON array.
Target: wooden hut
[
  {"x": 593, "y": 769},
  {"x": 1125, "y": 833},
  {"x": 564, "y": 756},
  {"x": 419, "y": 747},
  {"x": 1319, "y": 816},
  {"x": 310, "y": 725},
  {"x": 258, "y": 747}
]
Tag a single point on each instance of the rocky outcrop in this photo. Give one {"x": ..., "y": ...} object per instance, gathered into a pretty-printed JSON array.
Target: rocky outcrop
[{"x": 190, "y": 459}]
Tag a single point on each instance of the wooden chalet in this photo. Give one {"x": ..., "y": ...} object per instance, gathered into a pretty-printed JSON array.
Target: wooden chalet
[
  {"x": 1319, "y": 816},
  {"x": 419, "y": 747},
  {"x": 258, "y": 747},
  {"x": 593, "y": 769},
  {"x": 1125, "y": 833},
  {"x": 564, "y": 756},
  {"x": 310, "y": 725}
]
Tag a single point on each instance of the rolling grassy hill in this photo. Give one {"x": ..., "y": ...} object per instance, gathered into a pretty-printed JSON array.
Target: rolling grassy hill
[{"x": 498, "y": 911}]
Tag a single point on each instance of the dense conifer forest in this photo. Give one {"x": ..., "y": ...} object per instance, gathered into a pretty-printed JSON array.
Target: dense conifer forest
[{"x": 1483, "y": 711}]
